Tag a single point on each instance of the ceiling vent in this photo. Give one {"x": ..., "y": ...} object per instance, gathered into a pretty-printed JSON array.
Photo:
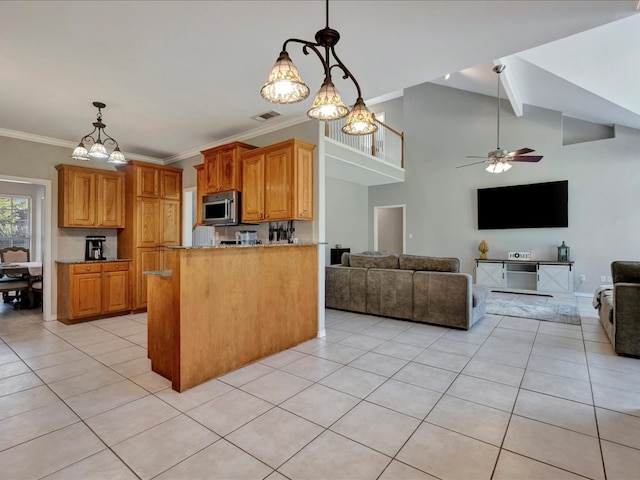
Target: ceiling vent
[{"x": 263, "y": 117}]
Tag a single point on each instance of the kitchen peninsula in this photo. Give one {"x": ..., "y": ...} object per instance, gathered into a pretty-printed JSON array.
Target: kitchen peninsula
[{"x": 220, "y": 308}]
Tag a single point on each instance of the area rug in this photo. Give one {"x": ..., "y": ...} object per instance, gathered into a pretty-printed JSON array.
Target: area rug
[{"x": 548, "y": 312}]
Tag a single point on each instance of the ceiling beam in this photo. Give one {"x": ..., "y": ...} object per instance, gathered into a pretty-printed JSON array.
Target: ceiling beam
[{"x": 509, "y": 85}]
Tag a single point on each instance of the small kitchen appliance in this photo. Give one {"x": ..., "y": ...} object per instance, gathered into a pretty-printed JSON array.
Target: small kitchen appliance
[
  {"x": 246, "y": 237},
  {"x": 94, "y": 247}
]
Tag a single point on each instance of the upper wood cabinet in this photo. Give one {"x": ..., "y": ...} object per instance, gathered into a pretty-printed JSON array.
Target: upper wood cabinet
[
  {"x": 90, "y": 197},
  {"x": 222, "y": 168},
  {"x": 200, "y": 191},
  {"x": 278, "y": 182}
]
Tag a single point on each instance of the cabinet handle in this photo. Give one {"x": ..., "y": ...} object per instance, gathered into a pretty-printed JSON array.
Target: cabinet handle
[
  {"x": 88, "y": 268},
  {"x": 301, "y": 214}
]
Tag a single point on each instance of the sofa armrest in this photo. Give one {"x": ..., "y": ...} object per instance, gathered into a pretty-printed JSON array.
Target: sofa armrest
[
  {"x": 443, "y": 298},
  {"x": 626, "y": 317},
  {"x": 346, "y": 288}
]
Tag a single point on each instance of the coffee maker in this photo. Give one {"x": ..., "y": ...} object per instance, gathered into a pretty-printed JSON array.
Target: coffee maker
[{"x": 94, "y": 247}]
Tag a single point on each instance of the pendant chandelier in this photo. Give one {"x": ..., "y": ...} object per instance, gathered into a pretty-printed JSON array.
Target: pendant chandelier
[
  {"x": 98, "y": 150},
  {"x": 284, "y": 84}
]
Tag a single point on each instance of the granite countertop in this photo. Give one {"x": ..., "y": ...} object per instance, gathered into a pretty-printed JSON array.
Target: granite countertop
[
  {"x": 159, "y": 273},
  {"x": 78, "y": 260},
  {"x": 269, "y": 245}
]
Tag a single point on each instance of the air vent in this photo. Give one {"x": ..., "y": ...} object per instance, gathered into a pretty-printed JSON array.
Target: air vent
[{"x": 263, "y": 117}]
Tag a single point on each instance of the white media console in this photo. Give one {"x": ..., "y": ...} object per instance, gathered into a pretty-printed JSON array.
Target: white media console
[{"x": 543, "y": 276}]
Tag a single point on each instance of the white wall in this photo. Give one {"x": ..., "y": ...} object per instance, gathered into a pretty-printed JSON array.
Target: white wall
[{"x": 442, "y": 125}]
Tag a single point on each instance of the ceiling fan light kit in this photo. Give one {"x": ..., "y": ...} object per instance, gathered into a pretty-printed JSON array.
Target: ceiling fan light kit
[
  {"x": 98, "y": 151},
  {"x": 284, "y": 84},
  {"x": 498, "y": 159}
]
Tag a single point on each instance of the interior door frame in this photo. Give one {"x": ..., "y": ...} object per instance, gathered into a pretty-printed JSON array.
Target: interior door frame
[
  {"x": 47, "y": 247},
  {"x": 404, "y": 224}
]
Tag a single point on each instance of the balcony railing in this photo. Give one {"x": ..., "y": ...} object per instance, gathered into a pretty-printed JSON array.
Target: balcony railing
[{"x": 385, "y": 144}]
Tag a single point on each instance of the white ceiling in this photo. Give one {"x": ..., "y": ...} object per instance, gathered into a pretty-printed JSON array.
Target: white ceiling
[{"x": 181, "y": 76}]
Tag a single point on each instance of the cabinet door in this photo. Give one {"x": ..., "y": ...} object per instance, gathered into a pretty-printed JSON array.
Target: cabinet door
[
  {"x": 278, "y": 195},
  {"x": 228, "y": 170},
  {"x": 147, "y": 182},
  {"x": 200, "y": 192},
  {"x": 303, "y": 187},
  {"x": 169, "y": 222},
  {"x": 110, "y": 204},
  {"x": 170, "y": 184},
  {"x": 554, "y": 278},
  {"x": 212, "y": 173},
  {"x": 80, "y": 203},
  {"x": 148, "y": 226},
  {"x": 490, "y": 274},
  {"x": 115, "y": 289},
  {"x": 148, "y": 259},
  {"x": 253, "y": 188},
  {"x": 86, "y": 295}
]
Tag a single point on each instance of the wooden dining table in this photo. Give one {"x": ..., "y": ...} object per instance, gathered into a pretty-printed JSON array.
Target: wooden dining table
[{"x": 28, "y": 270}]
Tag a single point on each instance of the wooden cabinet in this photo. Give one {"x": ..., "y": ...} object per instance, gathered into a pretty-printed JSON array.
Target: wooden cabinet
[
  {"x": 89, "y": 197},
  {"x": 277, "y": 182},
  {"x": 200, "y": 191},
  {"x": 92, "y": 290},
  {"x": 153, "y": 222},
  {"x": 222, "y": 168}
]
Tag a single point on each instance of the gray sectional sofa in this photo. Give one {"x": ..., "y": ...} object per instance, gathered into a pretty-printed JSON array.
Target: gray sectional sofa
[
  {"x": 619, "y": 309},
  {"x": 411, "y": 287}
]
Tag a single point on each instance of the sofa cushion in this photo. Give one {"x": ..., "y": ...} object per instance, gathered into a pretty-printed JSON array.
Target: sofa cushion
[
  {"x": 360, "y": 260},
  {"x": 344, "y": 260},
  {"x": 431, "y": 264}
]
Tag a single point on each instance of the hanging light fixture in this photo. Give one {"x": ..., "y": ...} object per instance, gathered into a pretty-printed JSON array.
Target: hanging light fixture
[
  {"x": 498, "y": 166},
  {"x": 98, "y": 150},
  {"x": 284, "y": 84}
]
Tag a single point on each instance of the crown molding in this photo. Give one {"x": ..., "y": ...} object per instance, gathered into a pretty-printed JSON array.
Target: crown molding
[
  {"x": 248, "y": 135},
  {"x": 57, "y": 142}
]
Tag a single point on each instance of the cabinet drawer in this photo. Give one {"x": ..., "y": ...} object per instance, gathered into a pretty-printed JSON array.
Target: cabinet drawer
[
  {"x": 115, "y": 267},
  {"x": 87, "y": 268}
]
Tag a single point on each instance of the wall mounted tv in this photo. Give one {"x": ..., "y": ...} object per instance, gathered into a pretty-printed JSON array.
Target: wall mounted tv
[{"x": 536, "y": 205}]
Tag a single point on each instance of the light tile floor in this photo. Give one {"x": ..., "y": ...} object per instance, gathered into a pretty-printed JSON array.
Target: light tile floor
[{"x": 376, "y": 399}]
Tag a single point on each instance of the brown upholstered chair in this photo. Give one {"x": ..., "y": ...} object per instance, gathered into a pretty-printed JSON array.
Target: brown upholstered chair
[{"x": 13, "y": 283}]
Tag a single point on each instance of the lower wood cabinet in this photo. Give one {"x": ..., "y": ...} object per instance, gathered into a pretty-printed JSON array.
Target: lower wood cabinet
[{"x": 90, "y": 290}]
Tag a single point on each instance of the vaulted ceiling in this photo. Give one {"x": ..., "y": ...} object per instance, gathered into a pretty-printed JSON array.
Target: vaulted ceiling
[{"x": 181, "y": 76}]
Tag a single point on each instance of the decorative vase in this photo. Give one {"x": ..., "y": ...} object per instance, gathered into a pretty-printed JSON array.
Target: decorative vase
[{"x": 484, "y": 248}]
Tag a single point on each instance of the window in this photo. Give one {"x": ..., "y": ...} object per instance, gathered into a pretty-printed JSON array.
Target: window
[{"x": 15, "y": 221}]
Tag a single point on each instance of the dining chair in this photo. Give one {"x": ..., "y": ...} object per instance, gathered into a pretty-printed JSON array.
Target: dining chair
[{"x": 13, "y": 283}]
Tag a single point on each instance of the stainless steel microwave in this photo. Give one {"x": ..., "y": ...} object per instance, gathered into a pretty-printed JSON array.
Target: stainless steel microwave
[{"x": 221, "y": 209}]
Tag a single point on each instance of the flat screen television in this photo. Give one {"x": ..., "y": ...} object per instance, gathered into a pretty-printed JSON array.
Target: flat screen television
[{"x": 536, "y": 205}]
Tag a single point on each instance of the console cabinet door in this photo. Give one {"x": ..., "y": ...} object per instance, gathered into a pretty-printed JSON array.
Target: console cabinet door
[
  {"x": 555, "y": 278},
  {"x": 490, "y": 274}
]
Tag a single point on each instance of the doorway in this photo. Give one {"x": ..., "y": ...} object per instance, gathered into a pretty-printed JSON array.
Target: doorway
[{"x": 389, "y": 228}]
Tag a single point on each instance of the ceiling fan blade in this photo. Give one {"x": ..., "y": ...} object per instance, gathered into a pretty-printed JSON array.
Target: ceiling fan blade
[
  {"x": 522, "y": 151},
  {"x": 476, "y": 156},
  {"x": 469, "y": 164},
  {"x": 528, "y": 158}
]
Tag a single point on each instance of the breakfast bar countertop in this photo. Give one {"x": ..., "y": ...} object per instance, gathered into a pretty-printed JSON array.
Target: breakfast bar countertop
[
  {"x": 208, "y": 247},
  {"x": 79, "y": 260}
]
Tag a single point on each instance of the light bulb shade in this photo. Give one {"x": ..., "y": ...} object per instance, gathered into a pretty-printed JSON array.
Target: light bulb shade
[
  {"x": 328, "y": 104},
  {"x": 498, "y": 167},
  {"x": 98, "y": 152},
  {"x": 284, "y": 84},
  {"x": 360, "y": 120},
  {"x": 80, "y": 153},
  {"x": 117, "y": 157}
]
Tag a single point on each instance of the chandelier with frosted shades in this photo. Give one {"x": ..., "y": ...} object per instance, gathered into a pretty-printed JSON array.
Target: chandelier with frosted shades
[
  {"x": 284, "y": 84},
  {"x": 98, "y": 150}
]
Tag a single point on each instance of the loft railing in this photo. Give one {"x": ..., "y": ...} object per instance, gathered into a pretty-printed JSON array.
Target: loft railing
[{"x": 385, "y": 144}]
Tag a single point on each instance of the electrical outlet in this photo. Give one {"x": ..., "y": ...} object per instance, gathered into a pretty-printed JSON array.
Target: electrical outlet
[
  {"x": 603, "y": 278},
  {"x": 609, "y": 279},
  {"x": 583, "y": 278},
  {"x": 410, "y": 236}
]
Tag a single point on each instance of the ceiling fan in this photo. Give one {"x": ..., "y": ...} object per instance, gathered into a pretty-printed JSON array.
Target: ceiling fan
[{"x": 498, "y": 159}]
